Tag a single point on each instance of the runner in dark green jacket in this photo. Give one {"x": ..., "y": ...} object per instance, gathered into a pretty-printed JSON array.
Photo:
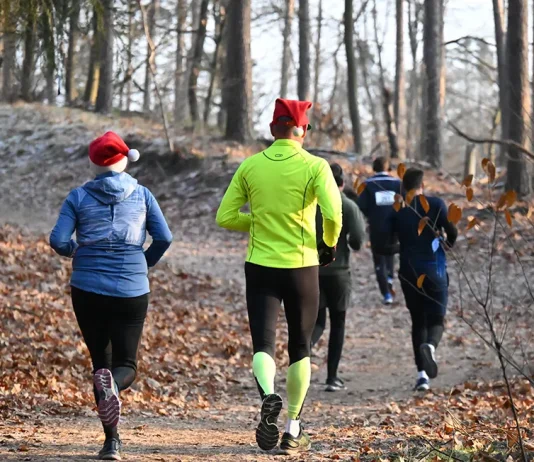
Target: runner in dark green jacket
[{"x": 335, "y": 281}]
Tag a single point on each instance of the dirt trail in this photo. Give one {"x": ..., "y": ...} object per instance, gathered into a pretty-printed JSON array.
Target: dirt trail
[{"x": 377, "y": 366}]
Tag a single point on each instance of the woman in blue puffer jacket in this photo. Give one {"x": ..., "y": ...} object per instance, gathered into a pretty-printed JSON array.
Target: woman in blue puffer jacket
[{"x": 111, "y": 215}]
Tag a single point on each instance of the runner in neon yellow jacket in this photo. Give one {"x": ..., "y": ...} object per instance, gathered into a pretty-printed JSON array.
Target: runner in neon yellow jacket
[{"x": 283, "y": 185}]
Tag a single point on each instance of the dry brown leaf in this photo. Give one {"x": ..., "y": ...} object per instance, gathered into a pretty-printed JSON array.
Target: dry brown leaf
[
  {"x": 424, "y": 203},
  {"x": 454, "y": 214},
  {"x": 469, "y": 194},
  {"x": 468, "y": 181},
  {"x": 356, "y": 184},
  {"x": 490, "y": 167},
  {"x": 508, "y": 216},
  {"x": 472, "y": 223},
  {"x": 501, "y": 202},
  {"x": 511, "y": 198},
  {"x": 397, "y": 206},
  {"x": 422, "y": 223},
  {"x": 420, "y": 281},
  {"x": 401, "y": 170},
  {"x": 485, "y": 162},
  {"x": 361, "y": 189}
]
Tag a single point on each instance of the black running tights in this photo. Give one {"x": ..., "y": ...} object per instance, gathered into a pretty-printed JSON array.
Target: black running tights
[
  {"x": 111, "y": 328},
  {"x": 426, "y": 328}
]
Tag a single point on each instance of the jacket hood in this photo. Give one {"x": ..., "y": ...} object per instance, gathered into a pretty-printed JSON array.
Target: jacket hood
[{"x": 111, "y": 187}]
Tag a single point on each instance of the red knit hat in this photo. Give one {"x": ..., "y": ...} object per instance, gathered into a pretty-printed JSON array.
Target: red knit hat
[
  {"x": 110, "y": 149},
  {"x": 296, "y": 110}
]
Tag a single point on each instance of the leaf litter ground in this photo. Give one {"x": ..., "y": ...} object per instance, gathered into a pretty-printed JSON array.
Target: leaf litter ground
[{"x": 195, "y": 398}]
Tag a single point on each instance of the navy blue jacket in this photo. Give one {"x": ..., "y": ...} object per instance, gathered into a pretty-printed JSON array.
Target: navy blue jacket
[
  {"x": 417, "y": 254},
  {"x": 376, "y": 203}
]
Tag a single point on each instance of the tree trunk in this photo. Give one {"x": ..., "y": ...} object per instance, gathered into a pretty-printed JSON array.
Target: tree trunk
[
  {"x": 500, "y": 34},
  {"x": 364, "y": 66},
  {"x": 443, "y": 59},
  {"x": 129, "y": 53},
  {"x": 470, "y": 161},
  {"x": 400, "y": 96},
  {"x": 47, "y": 18},
  {"x": 286, "y": 47},
  {"x": 104, "y": 99},
  {"x": 415, "y": 84},
  {"x": 239, "y": 72},
  {"x": 317, "y": 73},
  {"x": 220, "y": 17},
  {"x": 197, "y": 61},
  {"x": 432, "y": 61},
  {"x": 93, "y": 73},
  {"x": 179, "y": 94},
  {"x": 150, "y": 57},
  {"x": 10, "y": 51},
  {"x": 74, "y": 32},
  {"x": 30, "y": 35},
  {"x": 518, "y": 178},
  {"x": 352, "y": 78},
  {"x": 304, "y": 51}
]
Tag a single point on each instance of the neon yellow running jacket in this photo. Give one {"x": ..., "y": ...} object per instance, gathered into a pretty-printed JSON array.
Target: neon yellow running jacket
[{"x": 283, "y": 185}]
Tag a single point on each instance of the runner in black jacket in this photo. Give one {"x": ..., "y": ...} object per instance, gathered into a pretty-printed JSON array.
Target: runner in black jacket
[
  {"x": 376, "y": 203},
  {"x": 335, "y": 281}
]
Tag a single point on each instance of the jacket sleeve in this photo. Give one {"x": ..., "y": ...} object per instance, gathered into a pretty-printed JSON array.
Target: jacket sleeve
[
  {"x": 158, "y": 229},
  {"x": 61, "y": 237},
  {"x": 229, "y": 215},
  {"x": 329, "y": 199},
  {"x": 355, "y": 225}
]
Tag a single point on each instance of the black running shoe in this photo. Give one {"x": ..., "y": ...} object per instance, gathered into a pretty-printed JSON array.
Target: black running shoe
[
  {"x": 111, "y": 450},
  {"x": 291, "y": 445},
  {"x": 335, "y": 384},
  {"x": 429, "y": 361},
  {"x": 267, "y": 434}
]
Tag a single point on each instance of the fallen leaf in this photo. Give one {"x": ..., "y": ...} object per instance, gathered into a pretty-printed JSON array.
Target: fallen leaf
[{"x": 420, "y": 281}]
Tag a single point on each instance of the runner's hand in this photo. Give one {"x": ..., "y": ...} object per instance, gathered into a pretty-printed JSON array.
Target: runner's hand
[{"x": 326, "y": 254}]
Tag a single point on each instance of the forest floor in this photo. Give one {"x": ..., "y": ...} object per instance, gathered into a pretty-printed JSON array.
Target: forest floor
[{"x": 195, "y": 397}]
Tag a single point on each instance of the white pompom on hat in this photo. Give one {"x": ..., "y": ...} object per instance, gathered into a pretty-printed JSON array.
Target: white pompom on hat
[{"x": 110, "y": 153}]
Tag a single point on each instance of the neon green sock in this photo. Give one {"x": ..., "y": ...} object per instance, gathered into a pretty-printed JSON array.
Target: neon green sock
[
  {"x": 298, "y": 382},
  {"x": 264, "y": 370}
]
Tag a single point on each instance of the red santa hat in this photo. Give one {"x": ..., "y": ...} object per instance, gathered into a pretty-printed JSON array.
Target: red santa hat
[
  {"x": 110, "y": 153},
  {"x": 295, "y": 110}
]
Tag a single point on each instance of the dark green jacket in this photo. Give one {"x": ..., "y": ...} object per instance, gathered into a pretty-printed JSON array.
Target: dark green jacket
[{"x": 352, "y": 235}]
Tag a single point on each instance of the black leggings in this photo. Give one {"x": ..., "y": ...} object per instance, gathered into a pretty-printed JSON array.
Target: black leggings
[
  {"x": 267, "y": 288},
  {"x": 335, "y": 295},
  {"x": 111, "y": 328},
  {"x": 426, "y": 328},
  {"x": 384, "y": 268}
]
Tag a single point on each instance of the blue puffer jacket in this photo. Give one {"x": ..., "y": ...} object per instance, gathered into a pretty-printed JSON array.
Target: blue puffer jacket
[{"x": 111, "y": 216}]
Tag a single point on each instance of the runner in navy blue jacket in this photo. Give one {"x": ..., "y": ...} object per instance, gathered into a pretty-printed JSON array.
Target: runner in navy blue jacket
[
  {"x": 376, "y": 203},
  {"x": 424, "y": 254}
]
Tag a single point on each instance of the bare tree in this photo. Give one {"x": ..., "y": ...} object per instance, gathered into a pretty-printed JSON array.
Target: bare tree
[
  {"x": 239, "y": 72},
  {"x": 365, "y": 63},
  {"x": 47, "y": 21},
  {"x": 93, "y": 73},
  {"x": 518, "y": 178},
  {"x": 179, "y": 71},
  {"x": 432, "y": 61},
  {"x": 414, "y": 21},
  {"x": 498, "y": 18},
  {"x": 104, "y": 99},
  {"x": 352, "y": 78},
  {"x": 151, "y": 24},
  {"x": 197, "y": 61},
  {"x": 74, "y": 32},
  {"x": 304, "y": 80},
  {"x": 129, "y": 54},
  {"x": 219, "y": 12},
  {"x": 400, "y": 96},
  {"x": 317, "y": 73},
  {"x": 30, "y": 37},
  {"x": 286, "y": 46},
  {"x": 10, "y": 50}
]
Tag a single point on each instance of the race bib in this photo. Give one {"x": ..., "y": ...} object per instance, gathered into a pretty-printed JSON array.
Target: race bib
[{"x": 385, "y": 197}]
